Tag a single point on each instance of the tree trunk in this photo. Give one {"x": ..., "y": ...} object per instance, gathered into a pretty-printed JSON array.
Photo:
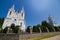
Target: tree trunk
[
  {"x": 47, "y": 29},
  {"x": 40, "y": 30},
  {"x": 30, "y": 30},
  {"x": 53, "y": 29}
]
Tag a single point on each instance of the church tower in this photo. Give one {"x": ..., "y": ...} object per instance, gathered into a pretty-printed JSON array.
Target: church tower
[
  {"x": 52, "y": 22},
  {"x": 10, "y": 12},
  {"x": 15, "y": 18},
  {"x": 22, "y": 13}
]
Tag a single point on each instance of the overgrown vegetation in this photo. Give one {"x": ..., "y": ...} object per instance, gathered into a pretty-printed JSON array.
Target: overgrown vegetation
[
  {"x": 45, "y": 26},
  {"x": 16, "y": 28},
  {"x": 5, "y": 30},
  {"x": 28, "y": 29},
  {"x": 1, "y": 22}
]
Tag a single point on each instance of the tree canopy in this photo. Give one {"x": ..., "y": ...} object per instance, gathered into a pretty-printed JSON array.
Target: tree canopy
[{"x": 1, "y": 22}]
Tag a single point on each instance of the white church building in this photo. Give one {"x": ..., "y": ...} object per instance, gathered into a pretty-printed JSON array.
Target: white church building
[
  {"x": 16, "y": 18},
  {"x": 52, "y": 22}
]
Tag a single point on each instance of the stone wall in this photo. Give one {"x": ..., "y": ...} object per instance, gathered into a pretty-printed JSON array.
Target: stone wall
[
  {"x": 9, "y": 37},
  {"x": 23, "y": 36}
]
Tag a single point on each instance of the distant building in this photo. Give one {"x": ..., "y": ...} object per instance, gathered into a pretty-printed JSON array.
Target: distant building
[
  {"x": 52, "y": 22},
  {"x": 16, "y": 18}
]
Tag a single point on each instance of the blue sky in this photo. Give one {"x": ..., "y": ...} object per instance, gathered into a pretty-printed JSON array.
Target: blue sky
[{"x": 35, "y": 10}]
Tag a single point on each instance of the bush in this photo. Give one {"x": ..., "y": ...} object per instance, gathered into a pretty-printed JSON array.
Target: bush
[
  {"x": 5, "y": 30},
  {"x": 28, "y": 29},
  {"x": 0, "y": 27},
  {"x": 16, "y": 28},
  {"x": 35, "y": 29},
  {"x": 43, "y": 28},
  {"x": 56, "y": 29},
  {"x": 50, "y": 28}
]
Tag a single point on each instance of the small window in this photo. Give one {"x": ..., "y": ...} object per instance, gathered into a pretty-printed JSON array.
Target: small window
[{"x": 15, "y": 19}]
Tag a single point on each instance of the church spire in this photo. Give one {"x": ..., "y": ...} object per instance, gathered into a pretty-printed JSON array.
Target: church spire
[
  {"x": 22, "y": 12},
  {"x": 11, "y": 11},
  {"x": 22, "y": 9},
  {"x": 12, "y": 8}
]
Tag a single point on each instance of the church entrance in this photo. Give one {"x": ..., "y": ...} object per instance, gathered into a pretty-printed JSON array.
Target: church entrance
[{"x": 12, "y": 26}]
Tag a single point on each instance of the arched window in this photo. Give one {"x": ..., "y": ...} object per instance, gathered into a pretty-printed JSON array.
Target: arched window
[
  {"x": 12, "y": 25},
  {"x": 22, "y": 15}
]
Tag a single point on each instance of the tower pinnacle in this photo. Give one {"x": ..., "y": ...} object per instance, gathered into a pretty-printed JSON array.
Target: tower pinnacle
[{"x": 13, "y": 6}]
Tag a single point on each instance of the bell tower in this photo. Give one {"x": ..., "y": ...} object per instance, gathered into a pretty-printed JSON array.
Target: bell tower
[
  {"x": 52, "y": 22},
  {"x": 22, "y": 13},
  {"x": 10, "y": 12}
]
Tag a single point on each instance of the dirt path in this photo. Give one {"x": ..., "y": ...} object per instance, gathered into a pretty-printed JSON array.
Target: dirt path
[{"x": 53, "y": 38}]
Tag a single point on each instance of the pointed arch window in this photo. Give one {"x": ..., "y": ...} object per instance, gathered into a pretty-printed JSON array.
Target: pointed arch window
[
  {"x": 10, "y": 12},
  {"x": 22, "y": 14}
]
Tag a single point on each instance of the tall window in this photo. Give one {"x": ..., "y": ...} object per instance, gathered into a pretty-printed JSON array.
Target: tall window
[
  {"x": 21, "y": 24},
  {"x": 22, "y": 14},
  {"x": 10, "y": 12}
]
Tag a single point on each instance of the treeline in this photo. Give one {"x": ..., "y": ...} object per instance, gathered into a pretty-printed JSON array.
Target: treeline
[
  {"x": 1, "y": 22},
  {"x": 44, "y": 27}
]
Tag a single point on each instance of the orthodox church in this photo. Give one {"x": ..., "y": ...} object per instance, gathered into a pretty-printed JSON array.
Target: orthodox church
[
  {"x": 52, "y": 22},
  {"x": 16, "y": 18}
]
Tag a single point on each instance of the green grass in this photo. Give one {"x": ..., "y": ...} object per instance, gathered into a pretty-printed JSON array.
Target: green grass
[{"x": 43, "y": 37}]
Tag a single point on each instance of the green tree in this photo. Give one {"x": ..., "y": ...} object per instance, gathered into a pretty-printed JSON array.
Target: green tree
[
  {"x": 28, "y": 29},
  {"x": 43, "y": 28},
  {"x": 44, "y": 23},
  {"x": 38, "y": 25},
  {"x": 5, "y": 30},
  {"x": 1, "y": 22},
  {"x": 50, "y": 28},
  {"x": 35, "y": 28},
  {"x": 39, "y": 28},
  {"x": 59, "y": 28},
  {"x": 56, "y": 28},
  {"x": 16, "y": 28}
]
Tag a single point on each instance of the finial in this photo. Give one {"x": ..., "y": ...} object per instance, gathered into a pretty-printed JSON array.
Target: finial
[
  {"x": 13, "y": 6},
  {"x": 22, "y": 10},
  {"x": 22, "y": 7}
]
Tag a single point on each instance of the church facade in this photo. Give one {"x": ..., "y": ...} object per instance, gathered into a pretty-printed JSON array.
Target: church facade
[{"x": 16, "y": 18}]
